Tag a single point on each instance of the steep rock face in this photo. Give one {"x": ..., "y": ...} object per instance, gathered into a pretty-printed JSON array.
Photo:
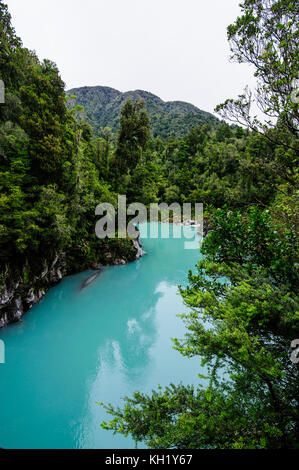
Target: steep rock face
[
  {"x": 139, "y": 251},
  {"x": 18, "y": 295},
  {"x": 171, "y": 118}
]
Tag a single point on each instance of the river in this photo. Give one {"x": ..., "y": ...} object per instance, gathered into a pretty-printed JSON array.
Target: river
[{"x": 81, "y": 346}]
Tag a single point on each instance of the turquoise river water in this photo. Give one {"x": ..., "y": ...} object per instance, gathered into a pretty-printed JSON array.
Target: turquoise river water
[{"x": 100, "y": 343}]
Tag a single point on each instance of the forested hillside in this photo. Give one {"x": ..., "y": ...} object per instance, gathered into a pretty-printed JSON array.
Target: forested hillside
[{"x": 103, "y": 105}]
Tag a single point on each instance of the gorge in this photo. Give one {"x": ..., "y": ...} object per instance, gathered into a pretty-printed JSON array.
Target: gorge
[{"x": 120, "y": 326}]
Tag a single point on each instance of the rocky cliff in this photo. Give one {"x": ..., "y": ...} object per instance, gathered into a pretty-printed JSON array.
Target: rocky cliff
[{"x": 19, "y": 292}]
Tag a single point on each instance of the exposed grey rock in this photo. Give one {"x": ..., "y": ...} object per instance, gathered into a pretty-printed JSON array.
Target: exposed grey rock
[
  {"x": 31, "y": 297},
  {"x": 18, "y": 308},
  {"x": 139, "y": 250},
  {"x": 59, "y": 274},
  {"x": 18, "y": 296},
  {"x": 3, "y": 320}
]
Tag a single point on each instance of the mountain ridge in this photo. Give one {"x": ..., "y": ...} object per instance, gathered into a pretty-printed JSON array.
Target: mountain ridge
[{"x": 103, "y": 105}]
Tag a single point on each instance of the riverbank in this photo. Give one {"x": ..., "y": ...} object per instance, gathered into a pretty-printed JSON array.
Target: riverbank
[
  {"x": 22, "y": 287},
  {"x": 78, "y": 347}
]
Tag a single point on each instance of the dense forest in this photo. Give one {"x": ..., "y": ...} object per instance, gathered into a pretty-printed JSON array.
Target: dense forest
[{"x": 56, "y": 166}]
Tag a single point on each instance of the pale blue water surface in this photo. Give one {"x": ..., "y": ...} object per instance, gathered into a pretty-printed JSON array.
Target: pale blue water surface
[{"x": 78, "y": 347}]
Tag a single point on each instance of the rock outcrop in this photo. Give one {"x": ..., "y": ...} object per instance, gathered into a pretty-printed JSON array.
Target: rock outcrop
[
  {"x": 138, "y": 245},
  {"x": 19, "y": 292},
  {"x": 18, "y": 295}
]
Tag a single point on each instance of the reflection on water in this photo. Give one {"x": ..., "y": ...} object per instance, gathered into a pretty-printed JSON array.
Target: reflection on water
[{"x": 78, "y": 347}]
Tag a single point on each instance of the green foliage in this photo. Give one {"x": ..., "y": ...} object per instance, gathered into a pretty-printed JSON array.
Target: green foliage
[
  {"x": 251, "y": 239},
  {"x": 241, "y": 322},
  {"x": 266, "y": 35},
  {"x": 132, "y": 138},
  {"x": 243, "y": 299},
  {"x": 53, "y": 172},
  {"x": 131, "y": 143},
  {"x": 103, "y": 107}
]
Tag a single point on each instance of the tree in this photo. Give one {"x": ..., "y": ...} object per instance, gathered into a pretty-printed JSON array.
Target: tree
[
  {"x": 44, "y": 118},
  {"x": 243, "y": 298},
  {"x": 132, "y": 138},
  {"x": 49, "y": 174},
  {"x": 244, "y": 315},
  {"x": 102, "y": 151},
  {"x": 266, "y": 36},
  {"x": 10, "y": 47}
]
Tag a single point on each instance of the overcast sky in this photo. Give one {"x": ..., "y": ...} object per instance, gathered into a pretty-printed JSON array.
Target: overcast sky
[{"x": 176, "y": 49}]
